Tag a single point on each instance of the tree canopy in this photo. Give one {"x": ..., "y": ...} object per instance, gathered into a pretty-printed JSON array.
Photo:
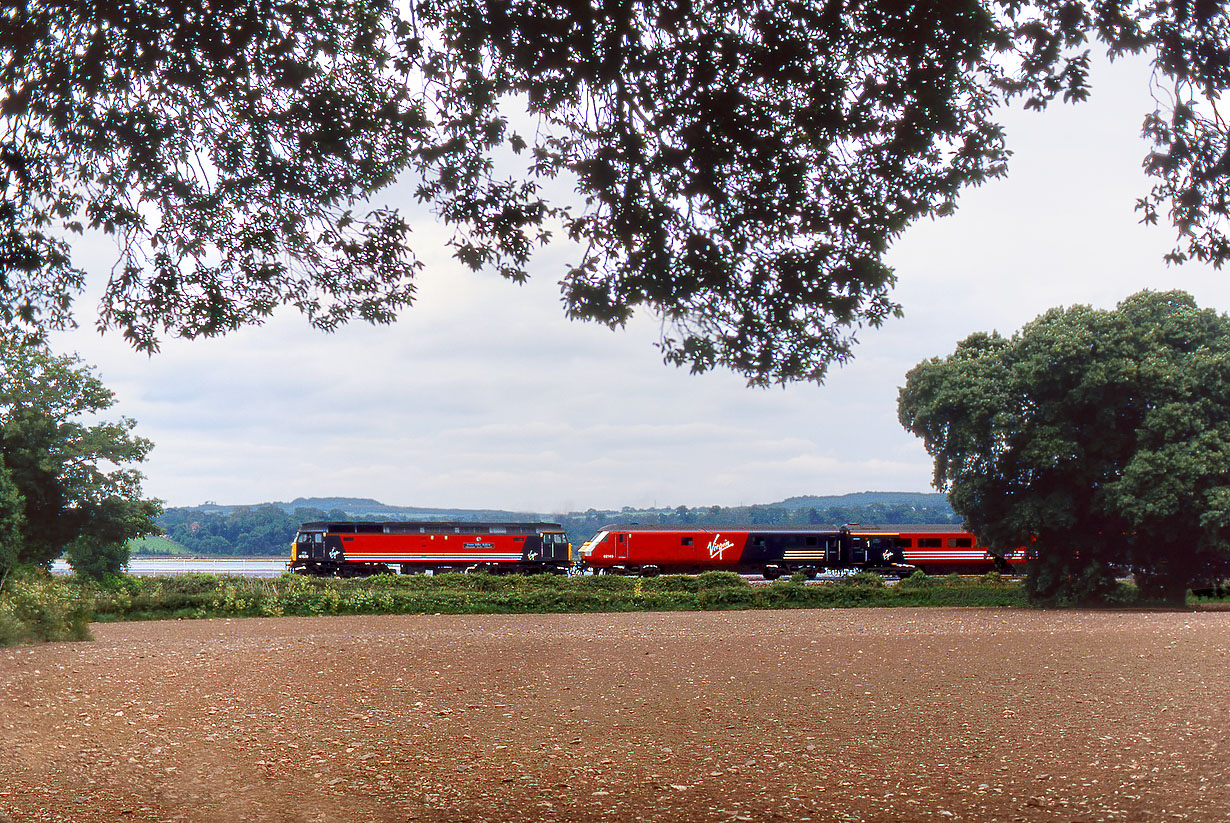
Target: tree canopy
[
  {"x": 740, "y": 168},
  {"x": 65, "y": 480},
  {"x": 1097, "y": 438}
]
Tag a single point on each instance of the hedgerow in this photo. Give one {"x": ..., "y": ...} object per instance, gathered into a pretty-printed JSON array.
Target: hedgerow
[
  {"x": 34, "y": 608},
  {"x": 291, "y": 595}
]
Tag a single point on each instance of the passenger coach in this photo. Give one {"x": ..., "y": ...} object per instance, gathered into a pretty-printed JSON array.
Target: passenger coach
[
  {"x": 768, "y": 550},
  {"x": 351, "y": 549},
  {"x": 937, "y": 551}
]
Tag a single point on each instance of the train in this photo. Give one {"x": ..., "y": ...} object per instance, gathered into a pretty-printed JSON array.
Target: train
[
  {"x": 938, "y": 550},
  {"x": 773, "y": 551},
  {"x": 356, "y": 549},
  {"x": 353, "y": 549}
]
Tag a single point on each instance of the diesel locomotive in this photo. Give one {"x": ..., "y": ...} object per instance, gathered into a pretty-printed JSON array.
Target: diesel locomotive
[{"x": 355, "y": 549}]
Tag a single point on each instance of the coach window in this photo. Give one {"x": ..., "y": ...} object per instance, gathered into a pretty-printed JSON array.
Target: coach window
[
  {"x": 959, "y": 542},
  {"x": 685, "y": 541},
  {"x": 905, "y": 542},
  {"x": 930, "y": 542}
]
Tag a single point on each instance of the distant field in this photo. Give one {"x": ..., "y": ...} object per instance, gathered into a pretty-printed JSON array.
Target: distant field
[{"x": 156, "y": 545}]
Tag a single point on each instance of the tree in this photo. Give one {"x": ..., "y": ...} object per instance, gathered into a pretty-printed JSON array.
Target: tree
[
  {"x": 1096, "y": 438},
  {"x": 741, "y": 167},
  {"x": 12, "y": 505},
  {"x": 67, "y": 469}
]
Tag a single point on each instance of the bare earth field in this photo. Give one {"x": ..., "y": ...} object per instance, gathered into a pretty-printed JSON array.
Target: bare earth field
[{"x": 878, "y": 715}]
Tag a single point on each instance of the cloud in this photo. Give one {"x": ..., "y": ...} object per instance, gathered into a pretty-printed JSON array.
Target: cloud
[{"x": 484, "y": 395}]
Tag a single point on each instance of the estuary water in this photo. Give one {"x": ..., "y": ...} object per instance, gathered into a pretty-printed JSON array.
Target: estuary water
[{"x": 155, "y": 566}]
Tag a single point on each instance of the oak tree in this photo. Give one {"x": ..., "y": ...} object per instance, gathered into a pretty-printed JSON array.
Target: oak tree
[
  {"x": 1098, "y": 439},
  {"x": 66, "y": 481},
  {"x": 740, "y": 168}
]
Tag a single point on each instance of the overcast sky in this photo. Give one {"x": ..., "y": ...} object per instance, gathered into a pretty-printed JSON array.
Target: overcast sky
[{"x": 485, "y": 396}]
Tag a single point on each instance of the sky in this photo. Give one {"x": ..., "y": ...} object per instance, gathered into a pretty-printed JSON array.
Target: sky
[{"x": 484, "y": 395}]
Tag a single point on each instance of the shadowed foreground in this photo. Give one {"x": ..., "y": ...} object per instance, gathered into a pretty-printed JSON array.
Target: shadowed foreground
[{"x": 872, "y": 714}]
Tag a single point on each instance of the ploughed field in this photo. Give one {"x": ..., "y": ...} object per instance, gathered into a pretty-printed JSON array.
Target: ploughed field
[{"x": 862, "y": 714}]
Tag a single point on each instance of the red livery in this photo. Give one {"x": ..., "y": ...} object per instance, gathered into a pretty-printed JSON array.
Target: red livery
[
  {"x": 946, "y": 552},
  {"x": 768, "y": 550},
  {"x": 776, "y": 550},
  {"x": 350, "y": 549}
]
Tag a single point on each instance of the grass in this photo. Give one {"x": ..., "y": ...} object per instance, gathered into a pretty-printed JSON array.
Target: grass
[{"x": 157, "y": 544}]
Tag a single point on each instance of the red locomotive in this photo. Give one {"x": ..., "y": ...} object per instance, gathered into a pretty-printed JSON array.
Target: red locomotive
[
  {"x": 768, "y": 550},
  {"x": 354, "y": 549}
]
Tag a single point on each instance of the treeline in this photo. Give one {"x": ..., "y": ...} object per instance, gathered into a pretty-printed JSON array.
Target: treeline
[
  {"x": 260, "y": 531},
  {"x": 263, "y": 531},
  {"x": 582, "y": 525}
]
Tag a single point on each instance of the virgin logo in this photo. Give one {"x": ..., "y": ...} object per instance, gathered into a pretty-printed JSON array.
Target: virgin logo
[{"x": 717, "y": 546}]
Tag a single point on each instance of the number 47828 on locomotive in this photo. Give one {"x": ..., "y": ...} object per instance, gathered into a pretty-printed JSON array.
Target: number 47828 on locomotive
[{"x": 352, "y": 549}]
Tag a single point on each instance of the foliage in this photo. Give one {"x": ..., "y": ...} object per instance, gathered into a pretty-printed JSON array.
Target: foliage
[
  {"x": 12, "y": 517},
  {"x": 1097, "y": 438},
  {"x": 583, "y": 525},
  {"x": 33, "y": 607},
  {"x": 246, "y": 531},
  {"x": 740, "y": 168},
  {"x": 198, "y": 596},
  {"x": 67, "y": 468},
  {"x": 156, "y": 545}
]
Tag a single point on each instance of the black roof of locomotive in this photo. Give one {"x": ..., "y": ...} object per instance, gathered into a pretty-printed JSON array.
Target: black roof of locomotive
[{"x": 426, "y": 527}]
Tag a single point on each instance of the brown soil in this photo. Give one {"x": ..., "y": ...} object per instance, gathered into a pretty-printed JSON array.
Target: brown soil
[{"x": 880, "y": 715}]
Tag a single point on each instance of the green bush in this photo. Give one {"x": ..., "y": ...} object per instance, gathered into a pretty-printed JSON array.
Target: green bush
[
  {"x": 917, "y": 580},
  {"x": 863, "y": 579},
  {"x": 59, "y": 609},
  {"x": 720, "y": 580},
  {"x": 35, "y": 608}
]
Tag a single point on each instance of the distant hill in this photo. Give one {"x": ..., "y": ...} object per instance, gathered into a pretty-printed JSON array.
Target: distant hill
[
  {"x": 362, "y": 507},
  {"x": 919, "y": 500}
]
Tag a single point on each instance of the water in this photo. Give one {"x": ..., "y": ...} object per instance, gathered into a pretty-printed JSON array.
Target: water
[{"x": 153, "y": 566}]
